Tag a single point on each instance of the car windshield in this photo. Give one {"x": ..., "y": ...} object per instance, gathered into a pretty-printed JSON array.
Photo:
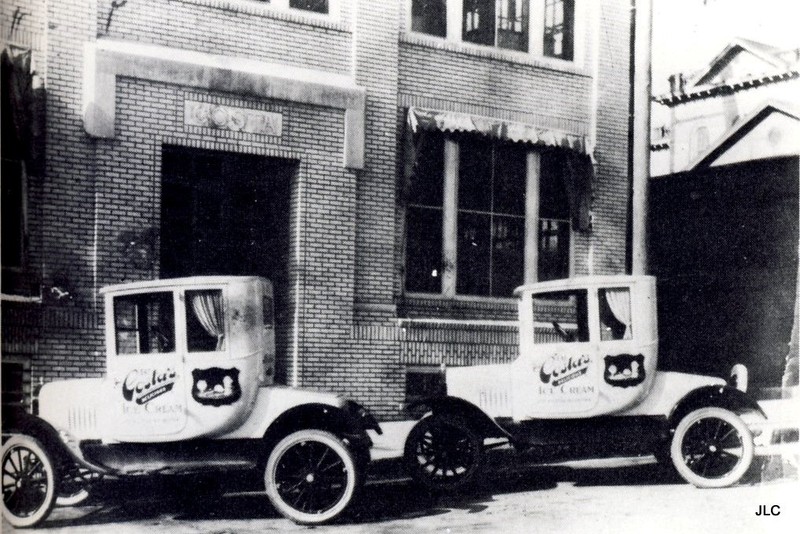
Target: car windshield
[{"x": 560, "y": 317}]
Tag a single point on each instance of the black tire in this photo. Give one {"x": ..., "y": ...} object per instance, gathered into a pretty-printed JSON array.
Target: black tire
[
  {"x": 29, "y": 482},
  {"x": 443, "y": 453},
  {"x": 712, "y": 448},
  {"x": 311, "y": 477}
]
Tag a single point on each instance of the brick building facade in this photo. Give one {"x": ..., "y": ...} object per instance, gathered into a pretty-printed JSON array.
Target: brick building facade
[{"x": 324, "y": 145}]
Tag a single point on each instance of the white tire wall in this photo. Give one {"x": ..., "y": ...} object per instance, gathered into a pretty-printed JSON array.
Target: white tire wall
[
  {"x": 712, "y": 448},
  {"x": 332, "y": 453},
  {"x": 27, "y": 473}
]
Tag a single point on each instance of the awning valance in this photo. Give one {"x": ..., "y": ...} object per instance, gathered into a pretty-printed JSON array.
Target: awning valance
[
  {"x": 577, "y": 171},
  {"x": 453, "y": 121}
]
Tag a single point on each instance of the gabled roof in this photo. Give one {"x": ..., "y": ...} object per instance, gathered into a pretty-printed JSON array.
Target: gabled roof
[
  {"x": 769, "y": 55},
  {"x": 741, "y": 129},
  {"x": 762, "y": 64}
]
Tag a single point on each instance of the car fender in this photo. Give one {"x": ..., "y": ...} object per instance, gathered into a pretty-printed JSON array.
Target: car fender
[
  {"x": 17, "y": 421},
  {"x": 279, "y": 410},
  {"x": 719, "y": 396},
  {"x": 447, "y": 405}
]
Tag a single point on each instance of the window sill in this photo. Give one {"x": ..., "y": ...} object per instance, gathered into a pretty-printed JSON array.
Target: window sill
[
  {"x": 250, "y": 7},
  {"x": 490, "y": 52}
]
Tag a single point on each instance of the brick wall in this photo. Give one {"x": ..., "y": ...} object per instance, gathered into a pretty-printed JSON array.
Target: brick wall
[
  {"x": 339, "y": 329},
  {"x": 609, "y": 213}
]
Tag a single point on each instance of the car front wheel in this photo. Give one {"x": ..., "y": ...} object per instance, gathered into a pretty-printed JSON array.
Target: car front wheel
[
  {"x": 443, "y": 453},
  {"x": 311, "y": 477},
  {"x": 29, "y": 482},
  {"x": 712, "y": 448}
]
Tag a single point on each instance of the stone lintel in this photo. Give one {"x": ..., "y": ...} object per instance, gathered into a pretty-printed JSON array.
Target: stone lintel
[{"x": 105, "y": 60}]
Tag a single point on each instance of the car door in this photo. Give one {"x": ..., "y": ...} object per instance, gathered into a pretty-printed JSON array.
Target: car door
[
  {"x": 145, "y": 366},
  {"x": 556, "y": 375}
]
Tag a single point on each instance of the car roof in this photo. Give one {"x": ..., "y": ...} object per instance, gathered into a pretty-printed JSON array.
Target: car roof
[
  {"x": 174, "y": 283},
  {"x": 580, "y": 282}
]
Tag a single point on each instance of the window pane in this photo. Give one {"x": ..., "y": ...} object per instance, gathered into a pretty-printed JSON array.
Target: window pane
[
  {"x": 427, "y": 178},
  {"x": 424, "y": 250},
  {"x": 560, "y": 316},
  {"x": 553, "y": 199},
  {"x": 423, "y": 383},
  {"x": 474, "y": 253},
  {"x": 429, "y": 16},
  {"x": 509, "y": 179},
  {"x": 559, "y": 17},
  {"x": 12, "y": 215},
  {"x": 13, "y": 380},
  {"x": 479, "y": 21},
  {"x": 508, "y": 254},
  {"x": 475, "y": 174},
  {"x": 205, "y": 321},
  {"x": 553, "y": 249},
  {"x": 512, "y": 24},
  {"x": 144, "y": 323},
  {"x": 317, "y": 6}
]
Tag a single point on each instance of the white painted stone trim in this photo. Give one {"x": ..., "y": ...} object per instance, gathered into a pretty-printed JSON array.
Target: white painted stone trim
[{"x": 105, "y": 60}]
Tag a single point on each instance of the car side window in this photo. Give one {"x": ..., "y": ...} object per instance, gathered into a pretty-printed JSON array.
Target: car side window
[
  {"x": 560, "y": 317},
  {"x": 144, "y": 323},
  {"x": 205, "y": 321},
  {"x": 615, "y": 313}
]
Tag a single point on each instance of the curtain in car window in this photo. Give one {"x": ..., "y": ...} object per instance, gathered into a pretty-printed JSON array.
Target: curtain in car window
[
  {"x": 619, "y": 301},
  {"x": 207, "y": 306}
]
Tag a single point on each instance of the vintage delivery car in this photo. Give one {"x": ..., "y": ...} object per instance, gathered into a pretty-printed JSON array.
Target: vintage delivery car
[
  {"x": 587, "y": 384},
  {"x": 189, "y": 388}
]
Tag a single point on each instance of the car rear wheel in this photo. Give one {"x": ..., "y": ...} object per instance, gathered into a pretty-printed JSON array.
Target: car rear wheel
[
  {"x": 29, "y": 482},
  {"x": 311, "y": 477},
  {"x": 712, "y": 448},
  {"x": 443, "y": 453}
]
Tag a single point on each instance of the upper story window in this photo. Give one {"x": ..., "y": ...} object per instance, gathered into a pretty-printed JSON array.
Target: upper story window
[
  {"x": 315, "y": 6},
  {"x": 501, "y": 23},
  {"x": 700, "y": 141},
  {"x": 542, "y": 27},
  {"x": 559, "y": 28},
  {"x": 429, "y": 16}
]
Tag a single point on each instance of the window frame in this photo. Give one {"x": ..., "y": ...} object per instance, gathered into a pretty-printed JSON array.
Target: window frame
[
  {"x": 285, "y": 5},
  {"x": 275, "y": 8},
  {"x": 455, "y": 27},
  {"x": 572, "y": 34},
  {"x": 449, "y": 276},
  {"x": 20, "y": 185},
  {"x": 434, "y": 372},
  {"x": 114, "y": 340}
]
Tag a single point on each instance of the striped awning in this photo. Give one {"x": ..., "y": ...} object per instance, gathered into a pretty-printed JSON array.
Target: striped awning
[
  {"x": 453, "y": 121},
  {"x": 578, "y": 161}
]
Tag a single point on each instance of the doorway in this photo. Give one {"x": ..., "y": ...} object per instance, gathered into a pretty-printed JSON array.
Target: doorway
[{"x": 225, "y": 213}]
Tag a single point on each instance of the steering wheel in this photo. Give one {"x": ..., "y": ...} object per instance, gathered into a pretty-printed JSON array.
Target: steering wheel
[
  {"x": 162, "y": 339},
  {"x": 566, "y": 336}
]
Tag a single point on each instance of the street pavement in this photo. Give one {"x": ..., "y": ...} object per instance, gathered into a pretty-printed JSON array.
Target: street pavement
[{"x": 597, "y": 497}]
